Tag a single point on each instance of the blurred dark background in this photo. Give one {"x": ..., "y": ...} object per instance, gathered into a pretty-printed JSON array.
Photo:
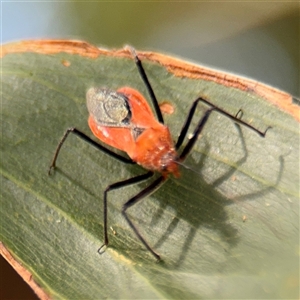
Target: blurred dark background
[{"x": 259, "y": 40}]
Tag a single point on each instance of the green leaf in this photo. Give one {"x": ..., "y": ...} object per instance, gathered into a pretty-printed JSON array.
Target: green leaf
[{"x": 229, "y": 231}]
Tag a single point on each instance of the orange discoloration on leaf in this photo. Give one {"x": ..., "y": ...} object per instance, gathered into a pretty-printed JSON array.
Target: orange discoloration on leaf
[
  {"x": 166, "y": 108},
  {"x": 52, "y": 47},
  {"x": 66, "y": 63}
]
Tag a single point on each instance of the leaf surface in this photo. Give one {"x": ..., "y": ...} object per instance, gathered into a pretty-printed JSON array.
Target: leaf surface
[{"x": 230, "y": 231}]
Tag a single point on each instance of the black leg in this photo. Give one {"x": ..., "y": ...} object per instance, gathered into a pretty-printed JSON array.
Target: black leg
[
  {"x": 236, "y": 118},
  {"x": 90, "y": 141},
  {"x": 202, "y": 123},
  {"x": 144, "y": 193},
  {"x": 147, "y": 83},
  {"x": 187, "y": 123},
  {"x": 115, "y": 186},
  {"x": 190, "y": 144}
]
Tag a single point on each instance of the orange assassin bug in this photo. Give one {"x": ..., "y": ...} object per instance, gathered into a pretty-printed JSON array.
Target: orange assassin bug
[{"x": 124, "y": 120}]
